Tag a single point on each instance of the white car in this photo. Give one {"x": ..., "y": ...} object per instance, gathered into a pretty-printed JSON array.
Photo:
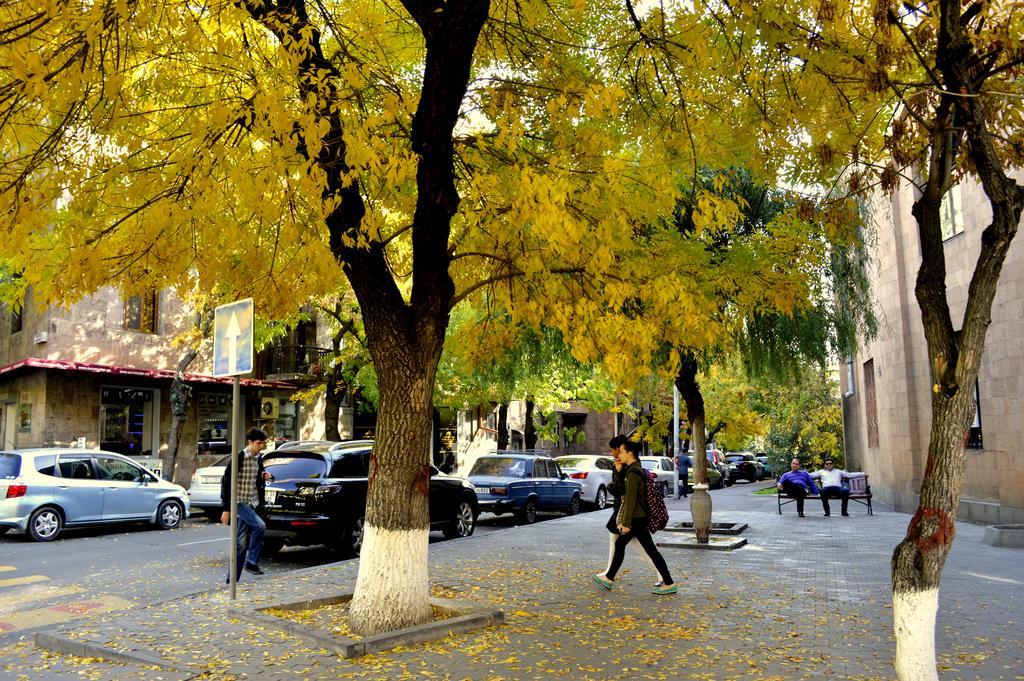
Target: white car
[
  {"x": 594, "y": 472},
  {"x": 665, "y": 469},
  {"x": 204, "y": 490}
]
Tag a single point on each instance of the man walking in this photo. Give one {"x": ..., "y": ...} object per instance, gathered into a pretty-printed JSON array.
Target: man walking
[
  {"x": 252, "y": 479},
  {"x": 683, "y": 467},
  {"x": 797, "y": 484}
]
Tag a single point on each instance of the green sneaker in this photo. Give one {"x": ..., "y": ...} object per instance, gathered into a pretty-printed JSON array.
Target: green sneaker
[
  {"x": 603, "y": 581},
  {"x": 664, "y": 590}
]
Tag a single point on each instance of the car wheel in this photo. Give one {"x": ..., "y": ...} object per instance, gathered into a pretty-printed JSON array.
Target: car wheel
[
  {"x": 665, "y": 490},
  {"x": 464, "y": 522},
  {"x": 271, "y": 547},
  {"x": 45, "y": 524},
  {"x": 528, "y": 515},
  {"x": 169, "y": 514},
  {"x": 601, "y": 500},
  {"x": 574, "y": 505}
]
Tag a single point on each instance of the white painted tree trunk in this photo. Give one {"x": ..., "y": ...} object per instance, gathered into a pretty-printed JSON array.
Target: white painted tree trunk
[
  {"x": 392, "y": 589},
  {"x": 914, "y": 618}
]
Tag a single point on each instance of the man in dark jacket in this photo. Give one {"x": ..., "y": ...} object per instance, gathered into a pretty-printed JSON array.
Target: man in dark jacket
[{"x": 252, "y": 480}]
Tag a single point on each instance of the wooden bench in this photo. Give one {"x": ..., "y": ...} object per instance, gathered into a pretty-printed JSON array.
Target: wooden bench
[{"x": 860, "y": 491}]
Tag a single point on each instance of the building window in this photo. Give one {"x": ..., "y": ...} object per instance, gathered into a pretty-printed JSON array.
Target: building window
[
  {"x": 16, "y": 320},
  {"x": 870, "y": 407},
  {"x": 974, "y": 440},
  {"x": 952, "y": 214},
  {"x": 140, "y": 313},
  {"x": 127, "y": 420},
  {"x": 849, "y": 376}
]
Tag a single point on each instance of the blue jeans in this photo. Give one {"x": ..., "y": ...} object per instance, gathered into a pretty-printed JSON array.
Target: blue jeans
[{"x": 250, "y": 528}]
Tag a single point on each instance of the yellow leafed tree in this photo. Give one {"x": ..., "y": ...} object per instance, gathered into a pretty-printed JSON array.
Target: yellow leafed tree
[{"x": 426, "y": 151}]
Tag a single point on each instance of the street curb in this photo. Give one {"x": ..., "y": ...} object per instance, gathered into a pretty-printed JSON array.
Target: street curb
[
  {"x": 46, "y": 640},
  {"x": 465, "y": 617}
]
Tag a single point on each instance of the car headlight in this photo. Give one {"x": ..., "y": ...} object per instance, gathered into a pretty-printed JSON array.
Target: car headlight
[
  {"x": 307, "y": 491},
  {"x": 328, "y": 489},
  {"x": 499, "y": 491}
]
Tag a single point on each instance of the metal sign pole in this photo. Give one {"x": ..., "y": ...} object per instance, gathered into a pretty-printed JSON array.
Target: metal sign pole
[{"x": 236, "y": 424}]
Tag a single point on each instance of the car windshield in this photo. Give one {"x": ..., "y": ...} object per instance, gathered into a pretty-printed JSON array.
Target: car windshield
[
  {"x": 10, "y": 466},
  {"x": 734, "y": 459},
  {"x": 574, "y": 462},
  {"x": 649, "y": 465},
  {"x": 296, "y": 466},
  {"x": 500, "y": 467}
]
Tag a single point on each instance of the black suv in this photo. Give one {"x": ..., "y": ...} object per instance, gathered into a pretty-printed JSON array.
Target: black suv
[{"x": 319, "y": 497}]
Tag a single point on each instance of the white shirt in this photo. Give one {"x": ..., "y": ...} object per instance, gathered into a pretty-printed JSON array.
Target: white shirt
[{"x": 834, "y": 477}]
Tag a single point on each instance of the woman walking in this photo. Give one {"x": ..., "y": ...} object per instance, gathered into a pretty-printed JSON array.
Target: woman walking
[
  {"x": 617, "y": 488},
  {"x": 631, "y": 522}
]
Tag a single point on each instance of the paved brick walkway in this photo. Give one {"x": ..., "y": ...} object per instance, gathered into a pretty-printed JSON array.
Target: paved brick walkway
[{"x": 805, "y": 599}]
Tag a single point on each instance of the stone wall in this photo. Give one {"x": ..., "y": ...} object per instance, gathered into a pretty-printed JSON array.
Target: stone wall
[{"x": 994, "y": 476}]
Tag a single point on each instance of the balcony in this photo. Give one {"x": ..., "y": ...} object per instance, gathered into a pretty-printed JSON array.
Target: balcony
[{"x": 295, "y": 363}]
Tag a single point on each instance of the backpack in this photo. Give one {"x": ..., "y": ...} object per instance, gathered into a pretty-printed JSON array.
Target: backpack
[{"x": 654, "y": 501}]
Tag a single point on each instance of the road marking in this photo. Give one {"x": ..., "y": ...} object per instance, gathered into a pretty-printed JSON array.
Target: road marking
[
  {"x": 17, "y": 600},
  {"x": 1004, "y": 580},
  {"x": 28, "y": 579},
  {"x": 65, "y": 612},
  {"x": 7, "y": 568},
  {"x": 204, "y": 541}
]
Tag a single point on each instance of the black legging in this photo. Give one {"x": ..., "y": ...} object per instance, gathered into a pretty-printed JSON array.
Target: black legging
[{"x": 643, "y": 536}]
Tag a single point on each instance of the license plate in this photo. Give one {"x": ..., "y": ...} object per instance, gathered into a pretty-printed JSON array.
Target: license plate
[
  {"x": 271, "y": 496},
  {"x": 482, "y": 490}
]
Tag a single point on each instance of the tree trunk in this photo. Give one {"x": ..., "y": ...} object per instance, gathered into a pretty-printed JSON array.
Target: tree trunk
[
  {"x": 529, "y": 432},
  {"x": 392, "y": 589},
  {"x": 333, "y": 393},
  {"x": 689, "y": 391},
  {"x": 181, "y": 396},
  {"x": 503, "y": 426},
  {"x": 954, "y": 355}
]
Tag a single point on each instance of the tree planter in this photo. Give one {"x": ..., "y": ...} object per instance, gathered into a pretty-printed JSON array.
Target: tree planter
[
  {"x": 1008, "y": 536},
  {"x": 459, "y": 616},
  {"x": 700, "y": 511}
]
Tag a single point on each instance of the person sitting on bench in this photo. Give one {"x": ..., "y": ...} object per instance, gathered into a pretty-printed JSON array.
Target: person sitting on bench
[
  {"x": 797, "y": 484},
  {"x": 832, "y": 485}
]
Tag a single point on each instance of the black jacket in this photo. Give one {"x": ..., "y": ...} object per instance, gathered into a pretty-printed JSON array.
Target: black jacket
[{"x": 225, "y": 482}]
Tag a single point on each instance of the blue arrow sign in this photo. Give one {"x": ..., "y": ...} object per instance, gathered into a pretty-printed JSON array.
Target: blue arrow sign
[{"x": 232, "y": 338}]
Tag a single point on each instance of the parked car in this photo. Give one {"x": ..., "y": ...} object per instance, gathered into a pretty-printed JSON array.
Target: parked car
[
  {"x": 593, "y": 472},
  {"x": 319, "y": 497},
  {"x": 524, "y": 484},
  {"x": 665, "y": 470},
  {"x": 714, "y": 476},
  {"x": 204, "y": 488},
  {"x": 768, "y": 472},
  {"x": 44, "y": 490},
  {"x": 744, "y": 466},
  {"x": 717, "y": 459}
]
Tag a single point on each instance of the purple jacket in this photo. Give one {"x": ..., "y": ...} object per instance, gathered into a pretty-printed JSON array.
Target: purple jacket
[{"x": 802, "y": 478}]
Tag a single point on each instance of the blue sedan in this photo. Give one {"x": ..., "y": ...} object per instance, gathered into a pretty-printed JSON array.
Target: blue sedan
[{"x": 524, "y": 484}]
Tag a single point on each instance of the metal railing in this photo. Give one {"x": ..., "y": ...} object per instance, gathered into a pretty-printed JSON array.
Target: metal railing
[{"x": 296, "y": 359}]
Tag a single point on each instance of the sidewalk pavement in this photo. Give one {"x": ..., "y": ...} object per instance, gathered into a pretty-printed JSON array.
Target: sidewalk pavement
[{"x": 807, "y": 598}]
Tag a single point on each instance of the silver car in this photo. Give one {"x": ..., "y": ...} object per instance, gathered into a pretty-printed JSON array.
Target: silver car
[
  {"x": 594, "y": 472},
  {"x": 204, "y": 489},
  {"x": 44, "y": 490}
]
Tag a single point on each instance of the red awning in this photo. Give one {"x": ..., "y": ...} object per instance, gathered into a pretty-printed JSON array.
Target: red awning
[{"x": 64, "y": 365}]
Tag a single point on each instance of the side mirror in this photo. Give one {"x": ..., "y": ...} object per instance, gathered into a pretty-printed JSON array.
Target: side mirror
[{"x": 565, "y": 476}]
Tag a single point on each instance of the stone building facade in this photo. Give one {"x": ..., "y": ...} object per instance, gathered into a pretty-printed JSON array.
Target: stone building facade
[
  {"x": 887, "y": 385},
  {"x": 98, "y": 374}
]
